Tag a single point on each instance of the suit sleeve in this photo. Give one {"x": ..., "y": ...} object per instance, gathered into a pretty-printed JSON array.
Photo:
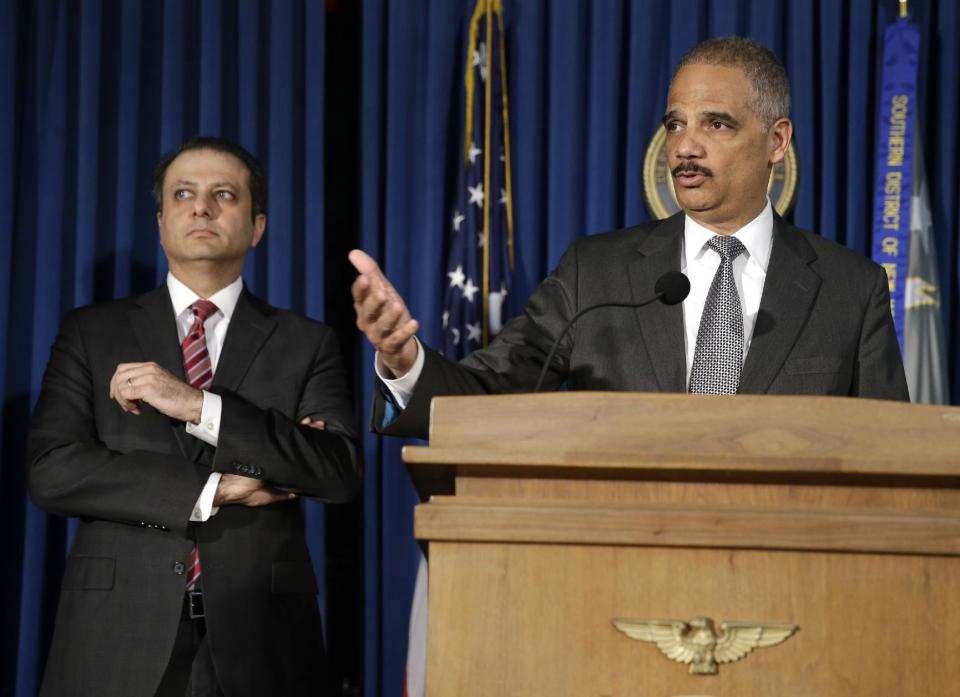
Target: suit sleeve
[
  {"x": 72, "y": 471},
  {"x": 879, "y": 370},
  {"x": 270, "y": 445},
  {"x": 511, "y": 363}
]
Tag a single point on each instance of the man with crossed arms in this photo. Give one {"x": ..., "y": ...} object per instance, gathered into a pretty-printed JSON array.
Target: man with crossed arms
[{"x": 180, "y": 426}]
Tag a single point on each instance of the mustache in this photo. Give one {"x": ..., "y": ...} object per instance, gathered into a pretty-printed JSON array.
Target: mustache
[{"x": 690, "y": 168}]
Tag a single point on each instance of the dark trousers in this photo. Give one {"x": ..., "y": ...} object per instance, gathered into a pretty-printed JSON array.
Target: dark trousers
[{"x": 190, "y": 672}]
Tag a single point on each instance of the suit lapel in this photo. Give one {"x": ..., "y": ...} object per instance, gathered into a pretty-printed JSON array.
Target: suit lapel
[
  {"x": 660, "y": 325},
  {"x": 156, "y": 330},
  {"x": 249, "y": 329},
  {"x": 155, "y": 327},
  {"x": 789, "y": 291}
]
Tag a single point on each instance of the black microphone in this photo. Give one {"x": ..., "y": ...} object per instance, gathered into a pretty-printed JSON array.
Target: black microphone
[{"x": 671, "y": 288}]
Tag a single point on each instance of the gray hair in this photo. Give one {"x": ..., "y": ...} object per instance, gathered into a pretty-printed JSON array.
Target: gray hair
[{"x": 768, "y": 77}]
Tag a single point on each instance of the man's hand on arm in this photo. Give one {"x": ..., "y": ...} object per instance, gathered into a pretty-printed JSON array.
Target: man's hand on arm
[
  {"x": 148, "y": 382},
  {"x": 247, "y": 491},
  {"x": 382, "y": 316}
]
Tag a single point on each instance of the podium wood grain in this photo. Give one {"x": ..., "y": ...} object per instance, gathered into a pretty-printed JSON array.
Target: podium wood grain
[
  {"x": 570, "y": 510},
  {"x": 524, "y": 620}
]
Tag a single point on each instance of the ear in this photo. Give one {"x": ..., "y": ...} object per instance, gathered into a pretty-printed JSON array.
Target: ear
[
  {"x": 779, "y": 136},
  {"x": 159, "y": 218},
  {"x": 259, "y": 227}
]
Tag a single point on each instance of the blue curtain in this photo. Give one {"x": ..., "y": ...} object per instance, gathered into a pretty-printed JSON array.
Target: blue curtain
[
  {"x": 94, "y": 90},
  {"x": 587, "y": 87}
]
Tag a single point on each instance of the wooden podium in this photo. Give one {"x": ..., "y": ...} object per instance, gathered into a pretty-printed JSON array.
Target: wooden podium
[{"x": 553, "y": 515}]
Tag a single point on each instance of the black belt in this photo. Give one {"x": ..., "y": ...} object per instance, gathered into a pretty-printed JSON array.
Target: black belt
[{"x": 193, "y": 605}]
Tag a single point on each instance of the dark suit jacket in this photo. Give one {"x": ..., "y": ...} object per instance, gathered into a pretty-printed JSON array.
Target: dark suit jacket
[
  {"x": 133, "y": 482},
  {"x": 824, "y": 327}
]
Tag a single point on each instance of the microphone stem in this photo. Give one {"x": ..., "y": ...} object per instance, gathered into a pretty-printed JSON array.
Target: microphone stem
[{"x": 556, "y": 343}]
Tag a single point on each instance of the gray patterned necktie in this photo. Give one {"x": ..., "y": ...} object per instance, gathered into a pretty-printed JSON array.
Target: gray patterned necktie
[{"x": 718, "y": 357}]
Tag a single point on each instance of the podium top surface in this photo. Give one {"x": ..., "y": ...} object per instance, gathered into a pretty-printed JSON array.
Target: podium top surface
[{"x": 640, "y": 432}]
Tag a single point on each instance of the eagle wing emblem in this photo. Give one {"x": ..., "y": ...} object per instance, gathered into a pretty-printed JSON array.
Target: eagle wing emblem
[
  {"x": 740, "y": 638},
  {"x": 697, "y": 643},
  {"x": 668, "y": 635}
]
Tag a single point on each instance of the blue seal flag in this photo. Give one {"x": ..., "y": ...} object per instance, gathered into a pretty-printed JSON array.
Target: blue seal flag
[{"x": 895, "y": 141}]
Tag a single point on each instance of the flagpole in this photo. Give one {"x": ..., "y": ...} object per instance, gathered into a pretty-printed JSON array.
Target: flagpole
[
  {"x": 904, "y": 13},
  {"x": 487, "y": 107},
  {"x": 506, "y": 135},
  {"x": 469, "y": 84}
]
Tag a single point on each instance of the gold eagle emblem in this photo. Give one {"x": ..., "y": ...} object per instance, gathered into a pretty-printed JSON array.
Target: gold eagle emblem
[{"x": 697, "y": 643}]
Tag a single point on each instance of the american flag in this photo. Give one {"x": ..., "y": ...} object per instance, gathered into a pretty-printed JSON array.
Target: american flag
[
  {"x": 481, "y": 246},
  {"x": 481, "y": 227}
]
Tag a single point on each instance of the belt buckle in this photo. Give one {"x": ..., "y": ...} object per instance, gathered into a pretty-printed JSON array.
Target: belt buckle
[{"x": 195, "y": 605}]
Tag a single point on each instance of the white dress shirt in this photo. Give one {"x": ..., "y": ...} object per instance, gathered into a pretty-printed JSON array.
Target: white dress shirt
[
  {"x": 700, "y": 263},
  {"x": 215, "y": 327}
]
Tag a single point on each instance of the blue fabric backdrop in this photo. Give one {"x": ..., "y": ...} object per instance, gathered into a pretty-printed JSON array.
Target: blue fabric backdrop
[{"x": 94, "y": 90}]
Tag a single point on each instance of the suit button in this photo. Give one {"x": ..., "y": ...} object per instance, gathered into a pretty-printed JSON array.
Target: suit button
[{"x": 179, "y": 568}]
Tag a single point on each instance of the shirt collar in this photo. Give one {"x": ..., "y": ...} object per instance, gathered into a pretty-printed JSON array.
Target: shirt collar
[
  {"x": 182, "y": 297},
  {"x": 756, "y": 236}
]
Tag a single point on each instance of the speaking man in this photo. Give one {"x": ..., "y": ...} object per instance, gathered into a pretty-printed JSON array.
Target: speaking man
[
  {"x": 771, "y": 309},
  {"x": 181, "y": 426}
]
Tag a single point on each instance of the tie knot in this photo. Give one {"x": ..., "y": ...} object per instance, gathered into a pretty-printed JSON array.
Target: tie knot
[
  {"x": 727, "y": 246},
  {"x": 203, "y": 309}
]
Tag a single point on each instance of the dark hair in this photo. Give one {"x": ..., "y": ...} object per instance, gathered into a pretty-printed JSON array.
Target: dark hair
[
  {"x": 257, "y": 179},
  {"x": 768, "y": 77}
]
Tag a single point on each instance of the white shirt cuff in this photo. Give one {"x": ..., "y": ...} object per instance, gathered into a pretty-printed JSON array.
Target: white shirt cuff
[
  {"x": 204, "y": 507},
  {"x": 402, "y": 388},
  {"x": 208, "y": 430}
]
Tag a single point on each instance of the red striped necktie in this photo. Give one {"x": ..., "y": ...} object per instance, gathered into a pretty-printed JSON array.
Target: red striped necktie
[
  {"x": 196, "y": 359},
  {"x": 199, "y": 373}
]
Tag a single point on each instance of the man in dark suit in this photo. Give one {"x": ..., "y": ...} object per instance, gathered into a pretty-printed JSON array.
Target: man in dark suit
[
  {"x": 772, "y": 308},
  {"x": 181, "y": 426}
]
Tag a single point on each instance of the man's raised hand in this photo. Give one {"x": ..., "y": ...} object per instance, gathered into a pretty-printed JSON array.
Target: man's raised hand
[{"x": 382, "y": 315}]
